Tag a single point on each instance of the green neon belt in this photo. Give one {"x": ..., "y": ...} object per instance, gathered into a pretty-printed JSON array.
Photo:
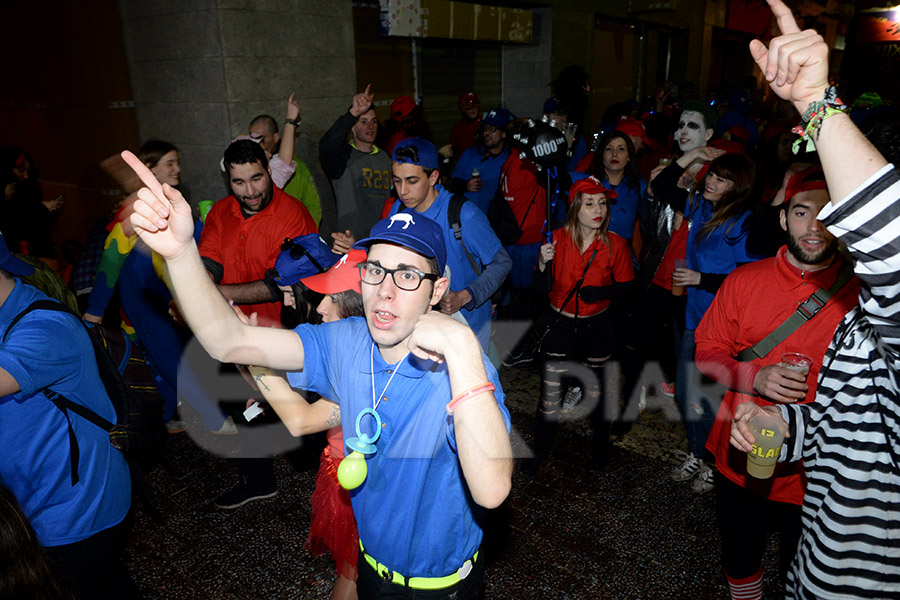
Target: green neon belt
[{"x": 420, "y": 583}]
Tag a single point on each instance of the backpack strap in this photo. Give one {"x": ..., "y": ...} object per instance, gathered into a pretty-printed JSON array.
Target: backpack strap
[
  {"x": 454, "y": 211},
  {"x": 805, "y": 311},
  {"x": 62, "y": 403}
]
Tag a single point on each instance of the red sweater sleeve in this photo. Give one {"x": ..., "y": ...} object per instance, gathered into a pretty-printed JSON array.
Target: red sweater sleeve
[{"x": 715, "y": 342}]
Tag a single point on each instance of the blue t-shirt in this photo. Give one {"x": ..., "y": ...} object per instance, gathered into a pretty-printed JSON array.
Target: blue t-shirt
[
  {"x": 482, "y": 244},
  {"x": 489, "y": 167},
  {"x": 579, "y": 151},
  {"x": 719, "y": 252},
  {"x": 624, "y": 210},
  {"x": 414, "y": 511},
  {"x": 51, "y": 349}
]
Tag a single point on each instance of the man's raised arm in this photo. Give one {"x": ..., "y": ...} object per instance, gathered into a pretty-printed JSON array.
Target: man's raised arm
[
  {"x": 162, "y": 218},
  {"x": 796, "y": 66},
  {"x": 482, "y": 440}
]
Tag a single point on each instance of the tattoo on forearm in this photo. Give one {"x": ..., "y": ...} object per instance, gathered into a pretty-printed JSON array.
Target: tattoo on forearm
[
  {"x": 260, "y": 382},
  {"x": 335, "y": 418}
]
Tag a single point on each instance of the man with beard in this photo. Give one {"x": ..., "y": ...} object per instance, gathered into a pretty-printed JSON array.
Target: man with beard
[
  {"x": 753, "y": 301},
  {"x": 241, "y": 240},
  {"x": 477, "y": 174},
  {"x": 243, "y": 232}
]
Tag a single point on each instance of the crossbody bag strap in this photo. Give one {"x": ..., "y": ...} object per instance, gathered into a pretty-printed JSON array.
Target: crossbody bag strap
[
  {"x": 578, "y": 283},
  {"x": 805, "y": 311}
]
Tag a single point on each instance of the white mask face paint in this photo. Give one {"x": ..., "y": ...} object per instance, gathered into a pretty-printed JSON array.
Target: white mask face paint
[{"x": 691, "y": 132}]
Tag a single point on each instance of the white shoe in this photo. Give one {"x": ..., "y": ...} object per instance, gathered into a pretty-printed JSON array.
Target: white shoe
[
  {"x": 174, "y": 426},
  {"x": 227, "y": 428},
  {"x": 573, "y": 397},
  {"x": 705, "y": 479},
  {"x": 686, "y": 470}
]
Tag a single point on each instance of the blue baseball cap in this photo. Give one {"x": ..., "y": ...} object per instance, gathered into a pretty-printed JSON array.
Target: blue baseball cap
[
  {"x": 303, "y": 256},
  {"x": 428, "y": 154},
  {"x": 554, "y": 105},
  {"x": 11, "y": 264},
  {"x": 499, "y": 117},
  {"x": 413, "y": 231}
]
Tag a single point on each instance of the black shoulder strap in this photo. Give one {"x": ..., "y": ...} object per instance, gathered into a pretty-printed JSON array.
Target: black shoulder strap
[
  {"x": 805, "y": 311},
  {"x": 59, "y": 401},
  {"x": 579, "y": 283},
  {"x": 36, "y": 305},
  {"x": 454, "y": 219}
]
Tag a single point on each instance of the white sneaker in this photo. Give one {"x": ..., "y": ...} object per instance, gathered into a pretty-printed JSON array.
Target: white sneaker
[
  {"x": 227, "y": 428},
  {"x": 686, "y": 470},
  {"x": 705, "y": 479},
  {"x": 573, "y": 397},
  {"x": 175, "y": 426}
]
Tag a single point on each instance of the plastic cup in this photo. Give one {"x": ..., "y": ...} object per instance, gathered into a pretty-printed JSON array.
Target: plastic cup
[
  {"x": 665, "y": 162},
  {"x": 204, "y": 206},
  {"x": 769, "y": 437},
  {"x": 680, "y": 263},
  {"x": 796, "y": 362},
  {"x": 476, "y": 173}
]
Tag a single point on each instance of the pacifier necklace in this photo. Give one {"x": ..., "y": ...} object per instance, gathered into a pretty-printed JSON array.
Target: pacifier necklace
[{"x": 353, "y": 470}]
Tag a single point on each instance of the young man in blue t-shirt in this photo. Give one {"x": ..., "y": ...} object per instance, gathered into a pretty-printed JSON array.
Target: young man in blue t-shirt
[
  {"x": 76, "y": 508},
  {"x": 443, "y": 454},
  {"x": 414, "y": 172}
]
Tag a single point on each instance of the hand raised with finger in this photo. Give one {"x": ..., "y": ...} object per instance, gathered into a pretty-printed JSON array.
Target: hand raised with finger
[
  {"x": 362, "y": 101},
  {"x": 293, "y": 108},
  {"x": 796, "y": 63},
  {"x": 161, "y": 217}
]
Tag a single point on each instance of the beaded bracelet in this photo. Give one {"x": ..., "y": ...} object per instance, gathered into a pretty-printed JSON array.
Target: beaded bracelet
[
  {"x": 473, "y": 391},
  {"x": 814, "y": 116}
]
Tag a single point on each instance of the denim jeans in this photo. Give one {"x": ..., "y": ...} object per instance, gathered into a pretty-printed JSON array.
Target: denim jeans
[{"x": 697, "y": 401}]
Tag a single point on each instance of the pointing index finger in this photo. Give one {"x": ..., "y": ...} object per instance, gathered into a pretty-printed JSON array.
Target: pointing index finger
[
  {"x": 786, "y": 22},
  {"x": 146, "y": 176}
]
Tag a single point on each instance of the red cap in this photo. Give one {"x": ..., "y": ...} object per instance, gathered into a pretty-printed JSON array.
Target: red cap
[
  {"x": 590, "y": 185},
  {"x": 739, "y": 133},
  {"x": 402, "y": 107},
  {"x": 342, "y": 277},
  {"x": 468, "y": 100},
  {"x": 729, "y": 146},
  {"x": 812, "y": 178},
  {"x": 631, "y": 126}
]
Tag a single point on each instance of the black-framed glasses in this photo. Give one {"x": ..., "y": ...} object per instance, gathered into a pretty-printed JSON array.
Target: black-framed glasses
[
  {"x": 298, "y": 251},
  {"x": 407, "y": 278}
]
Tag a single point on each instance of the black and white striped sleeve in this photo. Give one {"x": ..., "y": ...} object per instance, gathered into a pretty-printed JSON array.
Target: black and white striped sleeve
[{"x": 868, "y": 222}]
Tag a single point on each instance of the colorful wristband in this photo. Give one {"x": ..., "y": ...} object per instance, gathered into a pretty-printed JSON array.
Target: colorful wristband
[
  {"x": 473, "y": 391},
  {"x": 814, "y": 116}
]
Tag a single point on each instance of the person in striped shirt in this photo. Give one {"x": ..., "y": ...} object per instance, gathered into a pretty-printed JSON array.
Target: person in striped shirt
[{"x": 849, "y": 438}]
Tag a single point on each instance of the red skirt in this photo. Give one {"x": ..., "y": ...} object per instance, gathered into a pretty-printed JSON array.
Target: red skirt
[{"x": 333, "y": 528}]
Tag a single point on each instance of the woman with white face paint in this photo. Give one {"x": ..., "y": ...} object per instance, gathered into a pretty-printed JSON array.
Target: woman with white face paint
[{"x": 716, "y": 209}]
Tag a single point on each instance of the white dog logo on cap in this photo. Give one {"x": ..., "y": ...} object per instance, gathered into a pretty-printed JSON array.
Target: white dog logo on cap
[{"x": 405, "y": 218}]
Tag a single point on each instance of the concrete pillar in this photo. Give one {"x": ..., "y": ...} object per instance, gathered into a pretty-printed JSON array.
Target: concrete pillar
[
  {"x": 201, "y": 69},
  {"x": 527, "y": 69}
]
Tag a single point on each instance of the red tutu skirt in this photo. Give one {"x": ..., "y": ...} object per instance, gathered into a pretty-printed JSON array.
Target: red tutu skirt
[{"x": 333, "y": 528}]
